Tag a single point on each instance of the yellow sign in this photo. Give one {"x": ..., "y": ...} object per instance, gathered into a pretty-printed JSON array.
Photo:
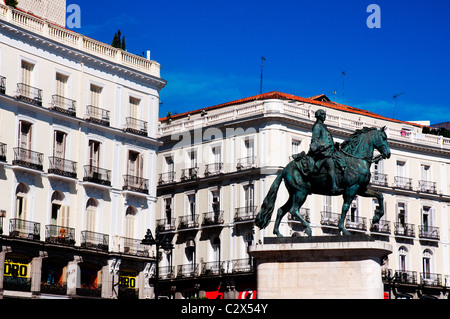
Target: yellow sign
[
  {"x": 15, "y": 269},
  {"x": 127, "y": 280}
]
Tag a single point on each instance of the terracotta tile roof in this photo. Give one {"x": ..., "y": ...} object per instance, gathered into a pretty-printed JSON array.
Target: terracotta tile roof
[{"x": 315, "y": 100}]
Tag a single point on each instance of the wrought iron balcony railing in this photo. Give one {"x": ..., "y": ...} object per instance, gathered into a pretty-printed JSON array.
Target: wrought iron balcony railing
[
  {"x": 244, "y": 265},
  {"x": 355, "y": 222},
  {"x": 329, "y": 218},
  {"x": 379, "y": 179},
  {"x": 136, "y": 126},
  {"x": 246, "y": 162},
  {"x": 20, "y": 228},
  {"x": 166, "y": 178},
  {"x": 427, "y": 187},
  {"x": 189, "y": 173},
  {"x": 187, "y": 270},
  {"x": 403, "y": 182},
  {"x": 428, "y": 232},
  {"x": 26, "y": 158},
  {"x": 64, "y": 105},
  {"x": 134, "y": 247},
  {"x": 405, "y": 277},
  {"x": 60, "y": 235},
  {"x": 304, "y": 212},
  {"x": 166, "y": 272},
  {"x": 29, "y": 94},
  {"x": 3, "y": 152},
  {"x": 97, "y": 175},
  {"x": 189, "y": 221},
  {"x": 383, "y": 226},
  {"x": 404, "y": 229},
  {"x": 165, "y": 224},
  {"x": 213, "y": 169},
  {"x": 2, "y": 85},
  {"x": 135, "y": 183},
  {"x": 213, "y": 218},
  {"x": 213, "y": 268},
  {"x": 97, "y": 115},
  {"x": 63, "y": 167},
  {"x": 429, "y": 279},
  {"x": 93, "y": 240},
  {"x": 247, "y": 213}
]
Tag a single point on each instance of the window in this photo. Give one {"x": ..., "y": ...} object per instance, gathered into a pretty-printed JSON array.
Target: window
[
  {"x": 191, "y": 206},
  {"x": 21, "y": 201},
  {"x": 215, "y": 244},
  {"x": 94, "y": 153},
  {"x": 134, "y": 107},
  {"x": 193, "y": 158},
  {"x": 190, "y": 254},
  {"x": 169, "y": 164},
  {"x": 426, "y": 264},
  {"x": 249, "y": 197},
  {"x": 250, "y": 151},
  {"x": 295, "y": 147},
  {"x": 60, "y": 213},
  {"x": 402, "y": 253},
  {"x": 27, "y": 73},
  {"x": 401, "y": 214},
  {"x": 130, "y": 218},
  {"x": 168, "y": 209},
  {"x": 215, "y": 204},
  {"x": 427, "y": 218},
  {"x": 91, "y": 214},
  {"x": 425, "y": 171},
  {"x": 135, "y": 164},
  {"x": 25, "y": 130},
  {"x": 59, "y": 144},
  {"x": 96, "y": 93},
  {"x": 61, "y": 84}
]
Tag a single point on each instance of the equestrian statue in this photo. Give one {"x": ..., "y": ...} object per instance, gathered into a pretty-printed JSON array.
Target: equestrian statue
[{"x": 328, "y": 169}]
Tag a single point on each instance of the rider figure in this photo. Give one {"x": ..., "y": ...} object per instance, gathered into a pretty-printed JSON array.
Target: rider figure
[{"x": 322, "y": 148}]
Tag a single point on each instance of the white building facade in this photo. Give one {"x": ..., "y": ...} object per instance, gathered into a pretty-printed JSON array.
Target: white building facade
[
  {"x": 78, "y": 133},
  {"x": 216, "y": 167}
]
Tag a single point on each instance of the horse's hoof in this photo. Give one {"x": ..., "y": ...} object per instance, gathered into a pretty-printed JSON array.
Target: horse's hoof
[
  {"x": 308, "y": 231},
  {"x": 278, "y": 234},
  {"x": 345, "y": 232}
]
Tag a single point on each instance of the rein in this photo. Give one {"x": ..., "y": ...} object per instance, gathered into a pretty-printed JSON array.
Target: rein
[{"x": 368, "y": 159}]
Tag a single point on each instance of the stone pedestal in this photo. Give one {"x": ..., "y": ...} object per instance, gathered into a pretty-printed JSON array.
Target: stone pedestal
[{"x": 320, "y": 267}]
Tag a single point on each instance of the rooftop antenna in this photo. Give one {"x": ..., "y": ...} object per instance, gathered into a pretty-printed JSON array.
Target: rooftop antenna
[
  {"x": 393, "y": 102},
  {"x": 262, "y": 64}
]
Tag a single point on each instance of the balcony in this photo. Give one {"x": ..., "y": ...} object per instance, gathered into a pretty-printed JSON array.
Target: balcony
[
  {"x": 431, "y": 280},
  {"x": 403, "y": 182},
  {"x": 63, "y": 167},
  {"x": 166, "y": 272},
  {"x": 405, "y": 277},
  {"x": 97, "y": 115},
  {"x": 383, "y": 227},
  {"x": 165, "y": 224},
  {"x": 329, "y": 218},
  {"x": 60, "y": 235},
  {"x": 304, "y": 212},
  {"x": 189, "y": 221},
  {"x": 19, "y": 228},
  {"x": 166, "y": 178},
  {"x": 404, "y": 229},
  {"x": 92, "y": 240},
  {"x": 247, "y": 213},
  {"x": 189, "y": 173},
  {"x": 379, "y": 179},
  {"x": 428, "y": 232},
  {"x": 213, "y": 218},
  {"x": 187, "y": 271},
  {"x": 213, "y": 169},
  {"x": 132, "y": 246},
  {"x": 29, "y": 159},
  {"x": 97, "y": 175},
  {"x": 136, "y": 126},
  {"x": 2, "y": 85},
  {"x": 29, "y": 94},
  {"x": 246, "y": 162},
  {"x": 355, "y": 222},
  {"x": 427, "y": 187},
  {"x": 2, "y": 152},
  {"x": 135, "y": 184},
  {"x": 241, "y": 266},
  {"x": 63, "y": 105},
  {"x": 213, "y": 268}
]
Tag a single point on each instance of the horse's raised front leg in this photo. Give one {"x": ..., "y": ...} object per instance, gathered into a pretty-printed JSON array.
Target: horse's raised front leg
[
  {"x": 298, "y": 201},
  {"x": 380, "y": 198}
]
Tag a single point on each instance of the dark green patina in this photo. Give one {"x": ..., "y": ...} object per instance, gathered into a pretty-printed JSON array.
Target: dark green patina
[{"x": 328, "y": 169}]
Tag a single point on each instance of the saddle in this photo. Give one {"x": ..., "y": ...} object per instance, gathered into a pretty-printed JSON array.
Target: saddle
[{"x": 306, "y": 164}]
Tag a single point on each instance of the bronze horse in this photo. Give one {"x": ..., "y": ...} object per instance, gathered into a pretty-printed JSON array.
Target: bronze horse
[{"x": 356, "y": 156}]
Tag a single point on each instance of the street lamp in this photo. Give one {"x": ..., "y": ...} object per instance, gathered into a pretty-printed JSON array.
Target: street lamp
[{"x": 165, "y": 244}]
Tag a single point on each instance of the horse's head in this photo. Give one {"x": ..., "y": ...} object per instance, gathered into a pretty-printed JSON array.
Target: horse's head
[{"x": 380, "y": 142}]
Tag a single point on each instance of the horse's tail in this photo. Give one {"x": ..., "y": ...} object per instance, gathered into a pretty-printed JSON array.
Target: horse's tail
[{"x": 263, "y": 217}]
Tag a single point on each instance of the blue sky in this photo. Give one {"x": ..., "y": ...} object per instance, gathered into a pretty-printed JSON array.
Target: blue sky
[{"x": 210, "y": 51}]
